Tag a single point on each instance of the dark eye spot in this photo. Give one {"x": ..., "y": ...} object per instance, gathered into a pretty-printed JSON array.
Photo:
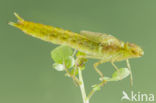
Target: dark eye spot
[{"x": 134, "y": 51}]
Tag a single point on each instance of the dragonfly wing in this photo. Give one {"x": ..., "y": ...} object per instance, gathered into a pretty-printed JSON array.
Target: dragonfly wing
[
  {"x": 94, "y": 36},
  {"x": 101, "y": 37}
]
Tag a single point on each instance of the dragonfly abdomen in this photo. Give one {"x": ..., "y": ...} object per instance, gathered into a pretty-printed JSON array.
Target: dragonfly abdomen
[{"x": 58, "y": 36}]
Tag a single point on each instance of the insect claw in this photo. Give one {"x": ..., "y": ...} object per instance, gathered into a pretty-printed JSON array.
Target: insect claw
[{"x": 18, "y": 17}]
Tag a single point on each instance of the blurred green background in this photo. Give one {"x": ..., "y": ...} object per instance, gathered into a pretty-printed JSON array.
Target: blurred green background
[{"x": 26, "y": 73}]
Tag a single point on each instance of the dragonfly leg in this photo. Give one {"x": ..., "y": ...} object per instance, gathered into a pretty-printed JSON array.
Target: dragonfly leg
[
  {"x": 131, "y": 75},
  {"x": 114, "y": 66},
  {"x": 97, "y": 70}
]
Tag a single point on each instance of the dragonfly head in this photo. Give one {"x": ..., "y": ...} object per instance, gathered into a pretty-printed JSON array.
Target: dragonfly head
[{"x": 134, "y": 49}]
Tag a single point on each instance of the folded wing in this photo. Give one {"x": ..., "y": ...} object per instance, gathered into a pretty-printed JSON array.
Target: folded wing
[{"x": 101, "y": 38}]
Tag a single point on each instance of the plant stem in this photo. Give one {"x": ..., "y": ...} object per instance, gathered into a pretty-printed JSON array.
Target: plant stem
[
  {"x": 82, "y": 88},
  {"x": 75, "y": 79},
  {"x": 94, "y": 90}
]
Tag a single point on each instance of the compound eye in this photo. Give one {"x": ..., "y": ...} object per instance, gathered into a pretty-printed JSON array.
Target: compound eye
[{"x": 134, "y": 51}]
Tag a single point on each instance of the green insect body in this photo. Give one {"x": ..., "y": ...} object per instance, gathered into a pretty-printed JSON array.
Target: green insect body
[
  {"x": 94, "y": 45},
  {"x": 100, "y": 46}
]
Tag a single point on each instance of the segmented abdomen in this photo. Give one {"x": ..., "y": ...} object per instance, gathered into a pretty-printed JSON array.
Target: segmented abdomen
[{"x": 58, "y": 36}]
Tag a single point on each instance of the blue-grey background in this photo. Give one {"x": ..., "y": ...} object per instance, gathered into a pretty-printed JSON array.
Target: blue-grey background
[{"x": 26, "y": 73}]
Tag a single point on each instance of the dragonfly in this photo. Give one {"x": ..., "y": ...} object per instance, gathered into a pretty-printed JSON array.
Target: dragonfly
[{"x": 100, "y": 46}]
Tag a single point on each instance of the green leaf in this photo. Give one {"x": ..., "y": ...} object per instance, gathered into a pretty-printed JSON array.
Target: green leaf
[
  {"x": 96, "y": 87},
  {"x": 69, "y": 62},
  {"x": 74, "y": 71},
  {"x": 118, "y": 75},
  {"x": 63, "y": 55}
]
